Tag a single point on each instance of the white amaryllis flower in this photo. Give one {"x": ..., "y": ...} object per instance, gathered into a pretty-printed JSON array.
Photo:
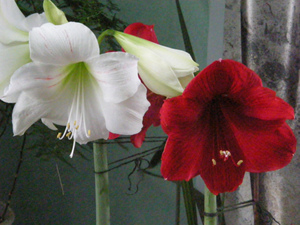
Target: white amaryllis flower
[
  {"x": 69, "y": 83},
  {"x": 165, "y": 71},
  {"x": 14, "y": 36}
]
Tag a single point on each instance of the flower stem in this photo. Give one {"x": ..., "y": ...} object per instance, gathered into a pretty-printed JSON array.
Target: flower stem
[
  {"x": 190, "y": 205},
  {"x": 101, "y": 184},
  {"x": 104, "y": 34},
  {"x": 210, "y": 208}
]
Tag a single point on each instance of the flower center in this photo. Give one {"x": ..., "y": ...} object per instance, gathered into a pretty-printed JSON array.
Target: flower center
[
  {"x": 222, "y": 138},
  {"x": 75, "y": 82},
  {"x": 70, "y": 132},
  {"x": 225, "y": 155}
]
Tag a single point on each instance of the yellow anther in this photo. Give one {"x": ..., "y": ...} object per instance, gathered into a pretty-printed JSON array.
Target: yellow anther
[
  {"x": 239, "y": 162},
  {"x": 89, "y": 132},
  {"x": 214, "y": 162},
  {"x": 228, "y": 153},
  {"x": 77, "y": 127},
  {"x": 75, "y": 123},
  {"x": 59, "y": 135},
  {"x": 68, "y": 125},
  {"x": 68, "y": 134}
]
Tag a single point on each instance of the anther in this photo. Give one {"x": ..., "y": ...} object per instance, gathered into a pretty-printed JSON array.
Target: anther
[
  {"x": 239, "y": 162},
  {"x": 68, "y": 125},
  {"x": 214, "y": 162},
  {"x": 59, "y": 135},
  {"x": 77, "y": 127},
  {"x": 89, "y": 132},
  {"x": 68, "y": 134},
  {"x": 75, "y": 123}
]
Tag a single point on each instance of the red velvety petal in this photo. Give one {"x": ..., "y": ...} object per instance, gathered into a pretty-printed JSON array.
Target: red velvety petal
[
  {"x": 151, "y": 117},
  {"x": 185, "y": 159},
  {"x": 221, "y": 77},
  {"x": 266, "y": 145},
  {"x": 190, "y": 153},
  {"x": 138, "y": 139},
  {"x": 113, "y": 136},
  {"x": 262, "y": 103},
  {"x": 225, "y": 176},
  {"x": 179, "y": 117},
  {"x": 143, "y": 31},
  {"x": 180, "y": 114}
]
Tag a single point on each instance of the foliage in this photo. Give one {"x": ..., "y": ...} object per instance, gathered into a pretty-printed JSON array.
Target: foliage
[{"x": 97, "y": 15}]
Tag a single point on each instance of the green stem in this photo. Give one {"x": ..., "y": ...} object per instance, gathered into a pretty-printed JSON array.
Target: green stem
[
  {"x": 101, "y": 184},
  {"x": 104, "y": 34},
  {"x": 190, "y": 205},
  {"x": 210, "y": 208}
]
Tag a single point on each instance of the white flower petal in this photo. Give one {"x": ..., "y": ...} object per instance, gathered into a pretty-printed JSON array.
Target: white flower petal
[
  {"x": 42, "y": 79},
  {"x": 12, "y": 57},
  {"x": 126, "y": 117},
  {"x": 34, "y": 20},
  {"x": 62, "y": 44},
  {"x": 13, "y": 24},
  {"x": 116, "y": 74},
  {"x": 26, "y": 112},
  {"x": 180, "y": 61},
  {"x": 161, "y": 79},
  {"x": 49, "y": 124}
]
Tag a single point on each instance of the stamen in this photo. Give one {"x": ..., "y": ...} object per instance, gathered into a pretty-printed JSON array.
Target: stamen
[
  {"x": 59, "y": 135},
  {"x": 75, "y": 123},
  {"x": 225, "y": 154},
  {"x": 214, "y": 162},
  {"x": 89, "y": 132},
  {"x": 68, "y": 126},
  {"x": 77, "y": 127},
  {"x": 239, "y": 162},
  {"x": 73, "y": 148},
  {"x": 68, "y": 134}
]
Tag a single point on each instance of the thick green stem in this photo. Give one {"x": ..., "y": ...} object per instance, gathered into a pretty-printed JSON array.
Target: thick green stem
[
  {"x": 101, "y": 184},
  {"x": 210, "y": 208},
  {"x": 190, "y": 205}
]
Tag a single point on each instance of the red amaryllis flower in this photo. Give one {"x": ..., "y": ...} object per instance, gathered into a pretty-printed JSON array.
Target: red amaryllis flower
[
  {"x": 224, "y": 124},
  {"x": 152, "y": 116}
]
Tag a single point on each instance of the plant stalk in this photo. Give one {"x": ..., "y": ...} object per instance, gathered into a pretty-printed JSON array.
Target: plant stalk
[
  {"x": 101, "y": 184},
  {"x": 210, "y": 208}
]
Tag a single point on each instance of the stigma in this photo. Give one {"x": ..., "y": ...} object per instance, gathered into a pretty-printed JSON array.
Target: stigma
[{"x": 225, "y": 155}]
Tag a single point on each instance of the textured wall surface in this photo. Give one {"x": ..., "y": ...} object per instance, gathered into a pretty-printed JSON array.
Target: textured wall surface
[{"x": 271, "y": 47}]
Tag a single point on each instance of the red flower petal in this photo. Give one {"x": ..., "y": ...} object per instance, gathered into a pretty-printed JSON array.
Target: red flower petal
[
  {"x": 179, "y": 114},
  {"x": 113, "y": 136},
  {"x": 265, "y": 148},
  {"x": 262, "y": 103},
  {"x": 221, "y": 77},
  {"x": 143, "y": 31}
]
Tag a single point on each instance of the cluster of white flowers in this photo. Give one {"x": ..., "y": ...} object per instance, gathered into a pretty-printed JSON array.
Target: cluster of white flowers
[{"x": 53, "y": 70}]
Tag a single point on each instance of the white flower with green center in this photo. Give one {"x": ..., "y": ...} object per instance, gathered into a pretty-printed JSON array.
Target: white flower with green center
[
  {"x": 165, "y": 71},
  {"x": 14, "y": 47},
  {"x": 69, "y": 83}
]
